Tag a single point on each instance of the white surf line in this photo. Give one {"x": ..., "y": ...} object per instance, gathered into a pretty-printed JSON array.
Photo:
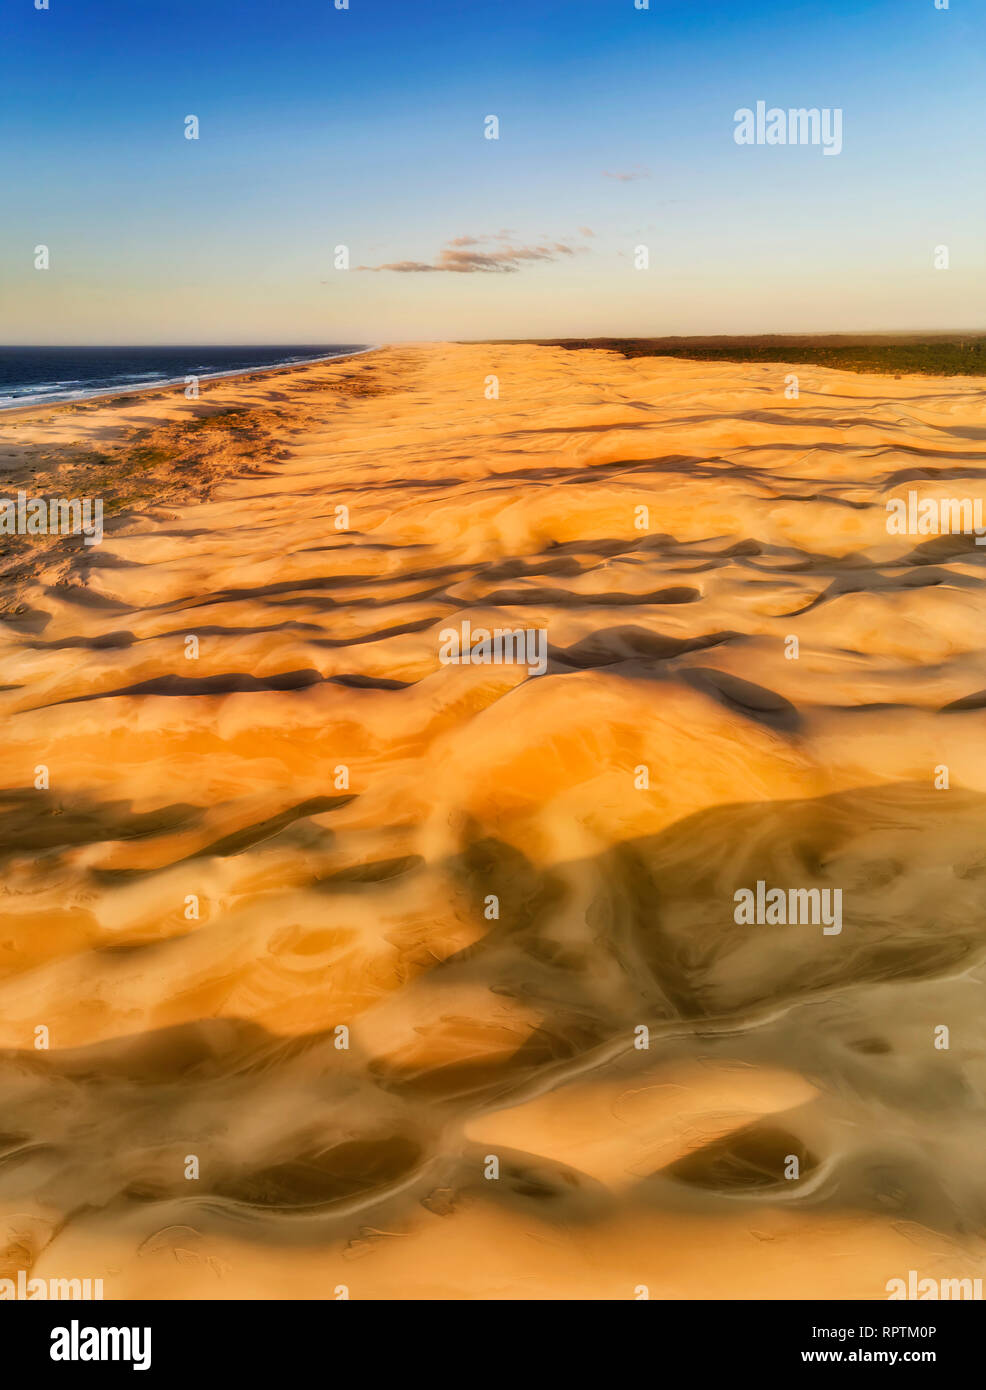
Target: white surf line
[{"x": 139, "y": 389}]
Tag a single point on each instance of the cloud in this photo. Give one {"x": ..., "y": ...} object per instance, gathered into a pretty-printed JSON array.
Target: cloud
[
  {"x": 628, "y": 176},
  {"x": 405, "y": 266},
  {"x": 586, "y": 231},
  {"x": 463, "y": 255}
]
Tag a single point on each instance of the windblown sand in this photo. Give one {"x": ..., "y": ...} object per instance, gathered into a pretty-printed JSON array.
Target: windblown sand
[{"x": 309, "y": 827}]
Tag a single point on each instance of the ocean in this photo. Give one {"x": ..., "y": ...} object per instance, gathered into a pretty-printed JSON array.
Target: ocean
[{"x": 46, "y": 375}]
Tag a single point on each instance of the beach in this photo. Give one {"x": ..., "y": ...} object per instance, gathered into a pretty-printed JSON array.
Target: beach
[{"x": 330, "y": 967}]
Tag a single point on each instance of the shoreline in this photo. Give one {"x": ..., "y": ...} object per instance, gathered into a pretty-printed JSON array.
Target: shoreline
[{"x": 141, "y": 391}]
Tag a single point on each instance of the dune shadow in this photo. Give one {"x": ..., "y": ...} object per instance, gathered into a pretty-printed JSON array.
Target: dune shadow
[{"x": 644, "y": 933}]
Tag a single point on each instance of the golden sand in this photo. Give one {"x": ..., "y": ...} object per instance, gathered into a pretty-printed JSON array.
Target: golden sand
[{"x": 302, "y": 828}]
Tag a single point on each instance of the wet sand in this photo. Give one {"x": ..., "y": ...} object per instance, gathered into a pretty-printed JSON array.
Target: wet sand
[{"x": 492, "y": 881}]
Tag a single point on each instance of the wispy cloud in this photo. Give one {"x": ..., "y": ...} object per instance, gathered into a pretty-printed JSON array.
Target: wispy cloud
[
  {"x": 627, "y": 175},
  {"x": 467, "y": 255}
]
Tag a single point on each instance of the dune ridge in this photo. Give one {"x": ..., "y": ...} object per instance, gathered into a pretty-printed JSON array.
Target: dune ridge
[{"x": 300, "y": 830}]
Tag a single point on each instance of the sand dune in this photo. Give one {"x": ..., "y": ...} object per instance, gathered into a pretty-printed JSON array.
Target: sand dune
[{"x": 300, "y": 830}]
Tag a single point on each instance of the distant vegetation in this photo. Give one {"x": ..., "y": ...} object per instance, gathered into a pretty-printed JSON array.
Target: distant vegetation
[{"x": 947, "y": 354}]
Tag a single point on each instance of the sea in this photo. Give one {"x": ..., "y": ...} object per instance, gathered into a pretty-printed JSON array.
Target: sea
[{"x": 47, "y": 375}]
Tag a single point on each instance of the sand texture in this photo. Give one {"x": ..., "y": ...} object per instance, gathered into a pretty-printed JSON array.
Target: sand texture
[{"x": 303, "y": 829}]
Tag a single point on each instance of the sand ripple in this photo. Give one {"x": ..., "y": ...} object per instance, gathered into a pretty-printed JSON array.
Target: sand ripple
[{"x": 300, "y": 831}]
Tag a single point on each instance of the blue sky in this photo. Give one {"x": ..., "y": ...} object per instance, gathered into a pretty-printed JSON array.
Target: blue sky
[{"x": 364, "y": 128}]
